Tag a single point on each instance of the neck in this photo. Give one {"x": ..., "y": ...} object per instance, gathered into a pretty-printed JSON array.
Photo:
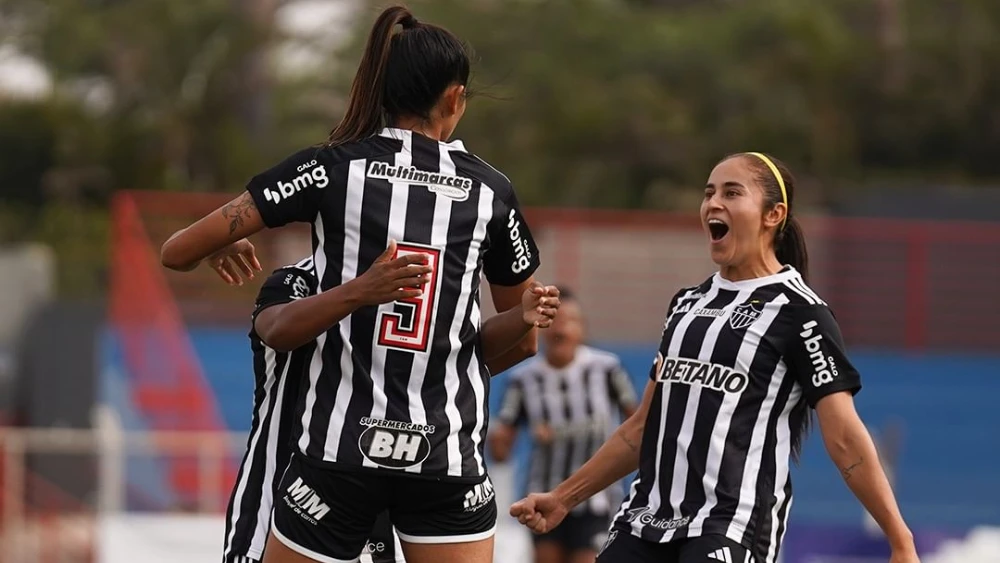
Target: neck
[
  {"x": 425, "y": 127},
  {"x": 759, "y": 267},
  {"x": 560, "y": 361}
]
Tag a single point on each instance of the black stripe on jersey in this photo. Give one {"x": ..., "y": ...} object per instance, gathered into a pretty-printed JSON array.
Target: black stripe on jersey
[
  {"x": 269, "y": 446},
  {"x": 375, "y": 203},
  {"x": 725, "y": 351},
  {"x": 453, "y": 272},
  {"x": 692, "y": 341},
  {"x": 758, "y": 533},
  {"x": 324, "y": 366}
]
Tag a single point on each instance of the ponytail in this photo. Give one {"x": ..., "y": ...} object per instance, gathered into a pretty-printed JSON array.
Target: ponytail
[
  {"x": 790, "y": 247},
  {"x": 365, "y": 115}
]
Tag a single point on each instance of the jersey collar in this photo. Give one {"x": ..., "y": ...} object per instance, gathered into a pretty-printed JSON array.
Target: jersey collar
[
  {"x": 402, "y": 134},
  {"x": 785, "y": 274}
]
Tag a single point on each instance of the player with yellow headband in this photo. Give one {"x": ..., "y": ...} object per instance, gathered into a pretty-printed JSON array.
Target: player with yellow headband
[{"x": 743, "y": 357}]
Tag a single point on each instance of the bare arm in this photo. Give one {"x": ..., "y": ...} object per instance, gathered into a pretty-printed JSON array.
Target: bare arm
[
  {"x": 289, "y": 325},
  {"x": 507, "y": 339},
  {"x": 225, "y": 226},
  {"x": 851, "y": 448},
  {"x": 618, "y": 457},
  {"x": 501, "y": 441}
]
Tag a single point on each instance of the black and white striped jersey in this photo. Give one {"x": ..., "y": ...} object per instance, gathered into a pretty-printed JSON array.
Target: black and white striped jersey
[
  {"x": 581, "y": 403},
  {"x": 401, "y": 387},
  {"x": 740, "y": 362},
  {"x": 277, "y": 377}
]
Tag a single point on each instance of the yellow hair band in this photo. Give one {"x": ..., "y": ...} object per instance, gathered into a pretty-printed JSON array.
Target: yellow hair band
[{"x": 781, "y": 183}]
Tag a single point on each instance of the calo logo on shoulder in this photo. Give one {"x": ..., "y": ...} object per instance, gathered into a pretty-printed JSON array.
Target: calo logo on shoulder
[
  {"x": 394, "y": 448},
  {"x": 745, "y": 314}
]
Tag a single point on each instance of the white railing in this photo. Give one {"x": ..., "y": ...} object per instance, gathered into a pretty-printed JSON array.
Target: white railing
[{"x": 37, "y": 534}]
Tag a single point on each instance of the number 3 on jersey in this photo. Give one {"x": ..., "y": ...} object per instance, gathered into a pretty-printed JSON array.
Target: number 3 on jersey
[{"x": 407, "y": 326}]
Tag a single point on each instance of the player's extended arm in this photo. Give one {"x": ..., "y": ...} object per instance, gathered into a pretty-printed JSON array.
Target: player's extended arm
[
  {"x": 851, "y": 448},
  {"x": 507, "y": 337},
  {"x": 225, "y": 226},
  {"x": 501, "y": 441},
  {"x": 618, "y": 457},
  {"x": 287, "y": 326}
]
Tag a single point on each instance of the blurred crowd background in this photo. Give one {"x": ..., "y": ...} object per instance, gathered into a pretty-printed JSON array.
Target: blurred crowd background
[{"x": 125, "y": 391}]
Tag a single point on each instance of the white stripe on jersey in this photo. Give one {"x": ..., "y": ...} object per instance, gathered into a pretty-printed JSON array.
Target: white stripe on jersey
[
  {"x": 680, "y": 456},
  {"x": 717, "y": 447},
  {"x": 418, "y": 372},
  {"x": 395, "y": 231},
  {"x": 471, "y": 265},
  {"x": 664, "y": 401},
  {"x": 316, "y": 362},
  {"x": 755, "y": 455},
  {"x": 782, "y": 451},
  {"x": 352, "y": 242},
  {"x": 270, "y": 445},
  {"x": 678, "y": 487},
  {"x": 451, "y": 380}
]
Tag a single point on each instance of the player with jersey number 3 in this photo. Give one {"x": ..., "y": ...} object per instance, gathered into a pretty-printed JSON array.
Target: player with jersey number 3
[
  {"x": 743, "y": 357},
  {"x": 394, "y": 404}
]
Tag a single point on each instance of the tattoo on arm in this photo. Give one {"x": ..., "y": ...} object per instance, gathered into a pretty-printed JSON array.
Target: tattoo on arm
[
  {"x": 238, "y": 210},
  {"x": 849, "y": 470},
  {"x": 632, "y": 445}
]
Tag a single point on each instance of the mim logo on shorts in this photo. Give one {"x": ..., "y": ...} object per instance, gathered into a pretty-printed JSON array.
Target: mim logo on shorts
[
  {"x": 703, "y": 374},
  {"x": 305, "y": 502},
  {"x": 393, "y": 444},
  {"x": 447, "y": 185},
  {"x": 478, "y": 496}
]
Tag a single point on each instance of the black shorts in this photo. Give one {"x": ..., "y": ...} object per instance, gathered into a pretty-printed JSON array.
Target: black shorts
[
  {"x": 623, "y": 547},
  {"x": 382, "y": 545},
  {"x": 585, "y": 531},
  {"x": 327, "y": 513}
]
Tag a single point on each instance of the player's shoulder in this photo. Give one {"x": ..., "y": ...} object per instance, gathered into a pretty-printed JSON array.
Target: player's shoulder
[
  {"x": 601, "y": 358},
  {"x": 531, "y": 367},
  {"x": 472, "y": 165},
  {"x": 299, "y": 277},
  {"x": 798, "y": 292}
]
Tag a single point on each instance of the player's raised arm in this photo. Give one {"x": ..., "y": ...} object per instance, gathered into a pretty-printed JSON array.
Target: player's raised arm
[{"x": 219, "y": 237}]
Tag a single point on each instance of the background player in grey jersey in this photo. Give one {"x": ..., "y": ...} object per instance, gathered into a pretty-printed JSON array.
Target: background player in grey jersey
[
  {"x": 742, "y": 359},
  {"x": 571, "y": 399}
]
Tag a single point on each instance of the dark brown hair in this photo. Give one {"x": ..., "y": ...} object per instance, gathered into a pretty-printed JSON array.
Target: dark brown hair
[
  {"x": 400, "y": 74},
  {"x": 789, "y": 239}
]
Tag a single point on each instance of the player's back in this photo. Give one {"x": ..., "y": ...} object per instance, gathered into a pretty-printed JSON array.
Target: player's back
[{"x": 406, "y": 378}]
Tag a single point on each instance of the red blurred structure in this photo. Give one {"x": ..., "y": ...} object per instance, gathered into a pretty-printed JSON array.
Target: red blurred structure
[{"x": 167, "y": 383}]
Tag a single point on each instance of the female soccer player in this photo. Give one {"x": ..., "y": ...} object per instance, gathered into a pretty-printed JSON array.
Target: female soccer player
[
  {"x": 394, "y": 410},
  {"x": 741, "y": 358}
]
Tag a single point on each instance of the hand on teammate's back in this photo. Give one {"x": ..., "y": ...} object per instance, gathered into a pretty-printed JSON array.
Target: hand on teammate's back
[
  {"x": 539, "y": 512},
  {"x": 540, "y": 304},
  {"x": 391, "y": 279},
  {"x": 235, "y": 262}
]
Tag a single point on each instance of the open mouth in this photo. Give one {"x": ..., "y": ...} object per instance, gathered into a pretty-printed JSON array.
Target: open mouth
[{"x": 717, "y": 229}]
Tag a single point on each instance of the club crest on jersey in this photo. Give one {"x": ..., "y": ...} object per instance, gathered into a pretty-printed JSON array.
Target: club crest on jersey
[
  {"x": 745, "y": 314},
  {"x": 393, "y": 444}
]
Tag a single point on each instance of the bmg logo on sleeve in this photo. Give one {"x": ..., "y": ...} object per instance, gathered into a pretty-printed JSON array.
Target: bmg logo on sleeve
[
  {"x": 824, "y": 367},
  {"x": 522, "y": 252},
  {"x": 309, "y": 175}
]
